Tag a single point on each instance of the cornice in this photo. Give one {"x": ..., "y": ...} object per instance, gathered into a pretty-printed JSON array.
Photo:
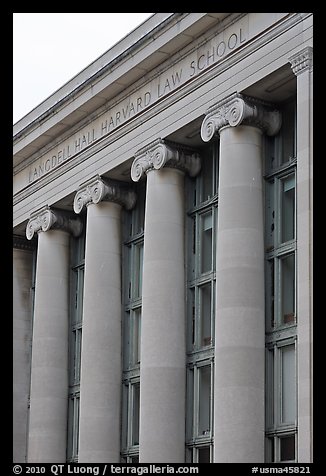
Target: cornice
[
  {"x": 238, "y": 109},
  {"x": 207, "y": 75},
  {"x": 160, "y": 153},
  {"x": 47, "y": 218},
  {"x": 99, "y": 189},
  {"x": 302, "y": 61}
]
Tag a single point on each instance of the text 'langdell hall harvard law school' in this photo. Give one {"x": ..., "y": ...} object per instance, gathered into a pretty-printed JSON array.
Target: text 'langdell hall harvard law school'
[{"x": 162, "y": 249}]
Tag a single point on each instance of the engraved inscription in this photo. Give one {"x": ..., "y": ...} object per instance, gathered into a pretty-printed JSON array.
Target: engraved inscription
[{"x": 188, "y": 68}]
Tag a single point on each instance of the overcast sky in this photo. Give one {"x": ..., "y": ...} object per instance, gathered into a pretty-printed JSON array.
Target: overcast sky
[{"x": 50, "y": 48}]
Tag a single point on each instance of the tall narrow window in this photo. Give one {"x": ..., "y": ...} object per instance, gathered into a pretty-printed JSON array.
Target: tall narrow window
[
  {"x": 199, "y": 410},
  {"x": 281, "y": 400},
  {"x": 204, "y": 416},
  {"x": 288, "y": 289},
  {"x": 280, "y": 280},
  {"x": 135, "y": 414},
  {"x": 201, "y": 233},
  {"x": 75, "y": 339},
  {"x": 288, "y": 406},
  {"x": 287, "y": 135},
  {"x": 205, "y": 298},
  {"x": 133, "y": 247},
  {"x": 206, "y": 241},
  {"x": 288, "y": 207}
]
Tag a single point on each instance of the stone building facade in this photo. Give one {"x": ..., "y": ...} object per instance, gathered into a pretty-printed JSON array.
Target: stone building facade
[{"x": 162, "y": 251}]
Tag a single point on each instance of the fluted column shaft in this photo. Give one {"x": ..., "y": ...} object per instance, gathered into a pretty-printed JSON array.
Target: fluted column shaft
[
  {"x": 302, "y": 66},
  {"x": 239, "y": 318},
  {"x": 162, "y": 366},
  {"x": 100, "y": 382}
]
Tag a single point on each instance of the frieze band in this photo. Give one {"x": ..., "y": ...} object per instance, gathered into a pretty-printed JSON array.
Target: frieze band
[
  {"x": 47, "y": 218},
  {"x": 20, "y": 242},
  {"x": 239, "y": 109},
  {"x": 97, "y": 189},
  {"x": 159, "y": 153}
]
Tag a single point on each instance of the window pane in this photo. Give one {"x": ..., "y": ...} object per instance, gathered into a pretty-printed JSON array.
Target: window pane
[
  {"x": 287, "y": 448},
  {"x": 190, "y": 404},
  {"x": 269, "y": 395},
  {"x": 191, "y": 319},
  {"x": 288, "y": 132},
  {"x": 135, "y": 218},
  {"x": 191, "y": 247},
  {"x": 81, "y": 245},
  {"x": 136, "y": 335},
  {"x": 270, "y": 294},
  {"x": 135, "y": 414},
  {"x": 270, "y": 153},
  {"x": 204, "y": 400},
  {"x": 288, "y": 208},
  {"x": 139, "y": 249},
  {"x": 73, "y": 427},
  {"x": 288, "y": 384},
  {"x": 126, "y": 341},
  {"x": 206, "y": 242},
  {"x": 128, "y": 277},
  {"x": 77, "y": 355},
  {"x": 207, "y": 176},
  {"x": 270, "y": 215},
  {"x": 203, "y": 455},
  {"x": 189, "y": 455},
  {"x": 205, "y": 314},
  {"x": 270, "y": 450},
  {"x": 288, "y": 288},
  {"x": 70, "y": 428},
  {"x": 76, "y": 425},
  {"x": 194, "y": 244},
  {"x": 140, "y": 209},
  {"x": 80, "y": 292},
  {"x": 124, "y": 432}
]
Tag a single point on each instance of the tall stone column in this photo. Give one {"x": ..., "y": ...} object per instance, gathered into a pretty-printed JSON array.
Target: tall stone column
[
  {"x": 302, "y": 66},
  {"x": 162, "y": 365},
  {"x": 22, "y": 340},
  {"x": 49, "y": 377},
  {"x": 100, "y": 382},
  {"x": 239, "y": 317}
]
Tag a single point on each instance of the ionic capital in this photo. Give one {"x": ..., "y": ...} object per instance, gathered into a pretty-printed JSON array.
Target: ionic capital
[
  {"x": 47, "y": 218},
  {"x": 302, "y": 60},
  {"x": 160, "y": 153},
  {"x": 98, "y": 189},
  {"x": 239, "y": 109}
]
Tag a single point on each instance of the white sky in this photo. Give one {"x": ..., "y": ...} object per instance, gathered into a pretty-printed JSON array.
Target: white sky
[{"x": 50, "y": 48}]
